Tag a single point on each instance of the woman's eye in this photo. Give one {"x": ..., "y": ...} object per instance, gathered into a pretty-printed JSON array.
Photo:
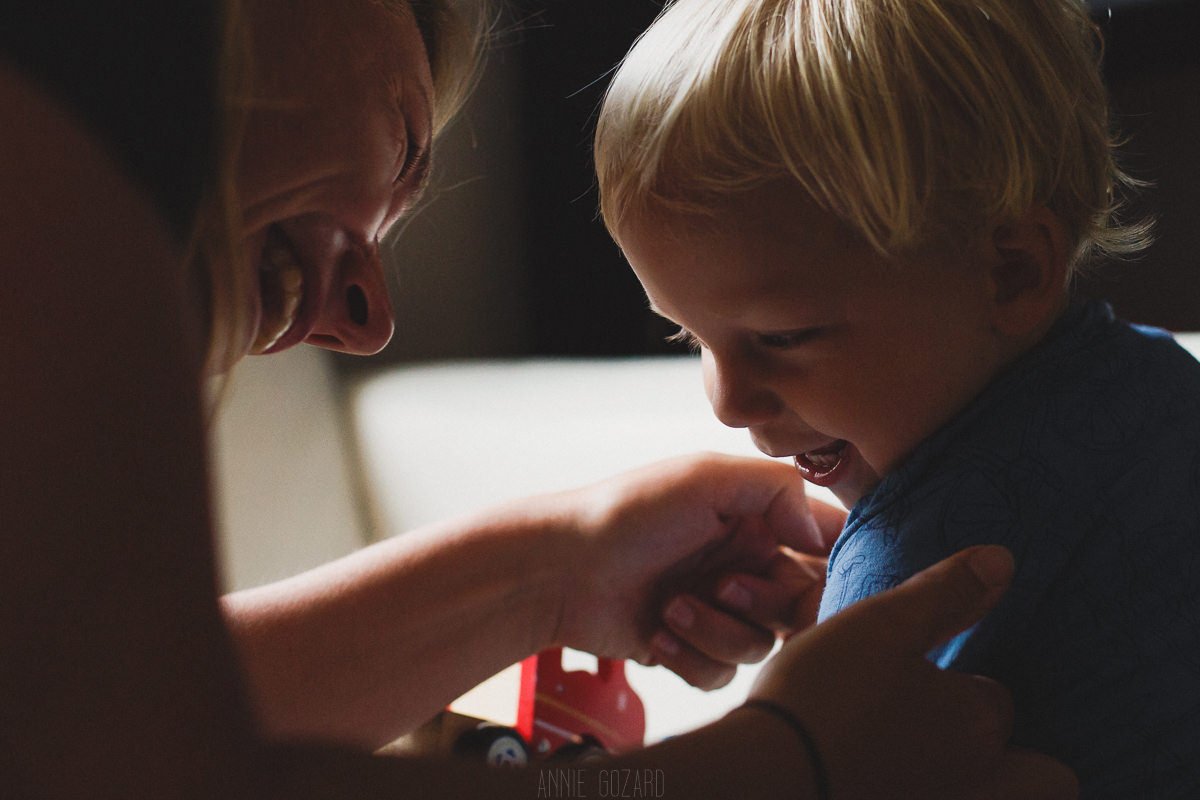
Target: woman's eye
[
  {"x": 784, "y": 341},
  {"x": 687, "y": 338}
]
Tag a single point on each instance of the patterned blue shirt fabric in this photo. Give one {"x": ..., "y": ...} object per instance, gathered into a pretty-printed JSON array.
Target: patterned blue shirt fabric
[{"x": 1083, "y": 458}]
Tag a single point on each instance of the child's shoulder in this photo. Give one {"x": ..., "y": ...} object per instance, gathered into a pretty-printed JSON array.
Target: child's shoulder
[
  {"x": 1094, "y": 435},
  {"x": 1075, "y": 413},
  {"x": 1107, "y": 386}
]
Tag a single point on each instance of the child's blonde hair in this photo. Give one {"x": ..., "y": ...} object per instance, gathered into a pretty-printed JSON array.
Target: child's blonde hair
[{"x": 915, "y": 122}]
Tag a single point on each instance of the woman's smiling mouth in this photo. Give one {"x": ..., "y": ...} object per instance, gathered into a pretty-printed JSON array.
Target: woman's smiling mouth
[{"x": 281, "y": 290}]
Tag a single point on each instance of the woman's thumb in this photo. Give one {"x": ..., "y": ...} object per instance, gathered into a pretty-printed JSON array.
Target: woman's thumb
[{"x": 939, "y": 602}]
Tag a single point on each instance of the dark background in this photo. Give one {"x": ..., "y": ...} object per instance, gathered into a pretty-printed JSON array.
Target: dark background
[
  {"x": 1152, "y": 67},
  {"x": 511, "y": 260}
]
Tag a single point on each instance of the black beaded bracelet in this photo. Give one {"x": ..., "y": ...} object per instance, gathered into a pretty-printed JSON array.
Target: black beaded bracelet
[{"x": 820, "y": 776}]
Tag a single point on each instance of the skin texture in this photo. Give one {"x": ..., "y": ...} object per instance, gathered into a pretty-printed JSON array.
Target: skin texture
[
  {"x": 588, "y": 569},
  {"x": 808, "y": 336},
  {"x": 324, "y": 153},
  {"x": 124, "y": 676}
]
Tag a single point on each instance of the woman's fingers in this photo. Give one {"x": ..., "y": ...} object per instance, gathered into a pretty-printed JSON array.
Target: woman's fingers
[
  {"x": 1027, "y": 775},
  {"x": 971, "y": 714},
  {"x": 1033, "y": 776},
  {"x": 785, "y": 600},
  {"x": 688, "y": 663},
  {"x": 715, "y": 634},
  {"x": 738, "y": 625},
  {"x": 934, "y": 605},
  {"x": 736, "y": 621}
]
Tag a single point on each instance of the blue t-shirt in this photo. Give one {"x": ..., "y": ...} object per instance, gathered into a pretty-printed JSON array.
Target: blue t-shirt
[{"x": 1083, "y": 458}]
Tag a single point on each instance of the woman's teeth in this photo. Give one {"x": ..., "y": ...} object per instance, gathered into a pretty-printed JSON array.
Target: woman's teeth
[{"x": 281, "y": 287}]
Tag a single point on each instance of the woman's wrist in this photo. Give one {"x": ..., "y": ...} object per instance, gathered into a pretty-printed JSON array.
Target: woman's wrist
[
  {"x": 568, "y": 524},
  {"x": 745, "y": 754},
  {"x": 550, "y": 529},
  {"x": 799, "y": 731}
]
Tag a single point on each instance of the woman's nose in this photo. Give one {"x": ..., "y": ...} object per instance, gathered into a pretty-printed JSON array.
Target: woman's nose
[
  {"x": 357, "y": 317},
  {"x": 738, "y": 395}
]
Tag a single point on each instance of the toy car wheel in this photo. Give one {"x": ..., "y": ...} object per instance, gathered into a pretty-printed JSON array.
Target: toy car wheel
[{"x": 497, "y": 745}]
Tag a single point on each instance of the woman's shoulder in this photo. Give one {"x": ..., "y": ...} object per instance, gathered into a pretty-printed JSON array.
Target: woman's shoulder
[
  {"x": 106, "y": 569},
  {"x": 95, "y": 288},
  {"x": 140, "y": 78}
]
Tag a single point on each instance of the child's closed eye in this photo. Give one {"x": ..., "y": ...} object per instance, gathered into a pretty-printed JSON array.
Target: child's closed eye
[
  {"x": 687, "y": 338},
  {"x": 788, "y": 339},
  {"x": 774, "y": 341}
]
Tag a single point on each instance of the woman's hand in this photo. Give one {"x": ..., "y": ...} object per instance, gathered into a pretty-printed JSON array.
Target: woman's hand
[
  {"x": 590, "y": 568},
  {"x": 887, "y": 722},
  {"x": 695, "y": 564}
]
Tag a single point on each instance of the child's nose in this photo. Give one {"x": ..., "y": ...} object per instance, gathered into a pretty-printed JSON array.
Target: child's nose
[
  {"x": 739, "y": 396},
  {"x": 357, "y": 317}
]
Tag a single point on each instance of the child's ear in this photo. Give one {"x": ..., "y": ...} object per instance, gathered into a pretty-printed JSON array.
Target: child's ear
[{"x": 1028, "y": 272}]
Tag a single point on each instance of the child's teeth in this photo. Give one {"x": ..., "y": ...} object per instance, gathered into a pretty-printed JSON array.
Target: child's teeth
[{"x": 825, "y": 459}]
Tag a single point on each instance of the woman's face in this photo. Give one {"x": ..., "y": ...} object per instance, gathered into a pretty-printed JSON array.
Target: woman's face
[{"x": 335, "y": 151}]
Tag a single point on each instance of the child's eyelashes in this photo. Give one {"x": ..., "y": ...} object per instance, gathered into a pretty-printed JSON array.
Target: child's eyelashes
[
  {"x": 771, "y": 341},
  {"x": 685, "y": 337},
  {"x": 789, "y": 339}
]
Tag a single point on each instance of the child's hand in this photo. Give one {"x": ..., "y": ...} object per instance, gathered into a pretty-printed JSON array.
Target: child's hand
[
  {"x": 652, "y": 550},
  {"x": 784, "y": 599},
  {"x": 738, "y": 620}
]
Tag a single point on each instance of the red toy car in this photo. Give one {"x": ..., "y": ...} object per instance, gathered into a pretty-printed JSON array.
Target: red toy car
[{"x": 563, "y": 714}]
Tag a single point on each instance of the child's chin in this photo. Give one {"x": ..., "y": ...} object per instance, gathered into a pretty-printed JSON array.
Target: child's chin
[
  {"x": 856, "y": 478},
  {"x": 848, "y": 479},
  {"x": 849, "y": 496}
]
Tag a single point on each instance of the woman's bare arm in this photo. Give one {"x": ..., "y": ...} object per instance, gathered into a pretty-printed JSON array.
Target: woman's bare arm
[
  {"x": 369, "y": 646},
  {"x": 363, "y": 649}
]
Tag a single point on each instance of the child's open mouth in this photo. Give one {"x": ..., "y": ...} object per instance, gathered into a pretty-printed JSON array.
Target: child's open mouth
[{"x": 821, "y": 466}]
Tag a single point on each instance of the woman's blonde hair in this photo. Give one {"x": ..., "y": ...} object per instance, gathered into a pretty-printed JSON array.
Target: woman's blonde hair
[
  {"x": 453, "y": 32},
  {"x": 915, "y": 122}
]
